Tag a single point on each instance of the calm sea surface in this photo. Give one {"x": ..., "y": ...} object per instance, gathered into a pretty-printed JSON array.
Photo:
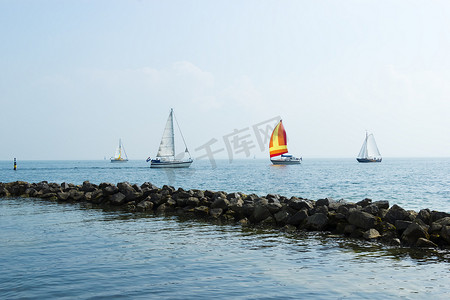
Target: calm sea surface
[{"x": 50, "y": 250}]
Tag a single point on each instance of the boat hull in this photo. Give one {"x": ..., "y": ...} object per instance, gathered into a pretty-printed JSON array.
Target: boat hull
[
  {"x": 368, "y": 160},
  {"x": 170, "y": 164},
  {"x": 285, "y": 161},
  {"x": 119, "y": 160}
]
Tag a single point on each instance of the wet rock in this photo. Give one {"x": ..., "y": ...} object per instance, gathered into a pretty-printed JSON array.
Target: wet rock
[
  {"x": 233, "y": 195},
  {"x": 298, "y": 204},
  {"x": 436, "y": 215},
  {"x": 274, "y": 206},
  {"x": 145, "y": 205},
  {"x": 397, "y": 213},
  {"x": 201, "y": 210},
  {"x": 76, "y": 195},
  {"x": 220, "y": 202},
  {"x": 371, "y": 234},
  {"x": 362, "y": 219},
  {"x": 414, "y": 232},
  {"x": 425, "y": 243},
  {"x": 49, "y": 196},
  {"x": 443, "y": 222},
  {"x": 364, "y": 203},
  {"x": 281, "y": 216},
  {"x": 349, "y": 229},
  {"x": 236, "y": 204},
  {"x": 445, "y": 234},
  {"x": 322, "y": 202},
  {"x": 401, "y": 225},
  {"x": 88, "y": 187},
  {"x": 244, "y": 222},
  {"x": 62, "y": 196},
  {"x": 371, "y": 209},
  {"x": 198, "y": 194},
  {"x": 148, "y": 186},
  {"x": 192, "y": 201},
  {"x": 425, "y": 215},
  {"x": 382, "y": 204},
  {"x": 317, "y": 221},
  {"x": 117, "y": 199},
  {"x": 261, "y": 212},
  {"x": 170, "y": 189},
  {"x": 97, "y": 196},
  {"x": 110, "y": 189},
  {"x": 216, "y": 212},
  {"x": 137, "y": 188},
  {"x": 321, "y": 209},
  {"x": 298, "y": 218}
]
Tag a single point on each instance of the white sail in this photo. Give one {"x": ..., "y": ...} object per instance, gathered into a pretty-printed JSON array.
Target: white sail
[
  {"x": 369, "y": 149},
  {"x": 372, "y": 149},
  {"x": 167, "y": 146},
  {"x": 363, "y": 151}
]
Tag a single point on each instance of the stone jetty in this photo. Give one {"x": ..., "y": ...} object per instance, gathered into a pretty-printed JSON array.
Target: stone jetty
[{"x": 366, "y": 219}]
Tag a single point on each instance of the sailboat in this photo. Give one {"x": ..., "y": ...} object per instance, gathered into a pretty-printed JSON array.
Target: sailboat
[
  {"x": 120, "y": 155},
  {"x": 369, "y": 151},
  {"x": 165, "y": 158},
  {"x": 278, "y": 147}
]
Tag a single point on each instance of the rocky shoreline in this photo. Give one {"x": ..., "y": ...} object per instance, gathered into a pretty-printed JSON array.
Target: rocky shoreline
[{"x": 366, "y": 219}]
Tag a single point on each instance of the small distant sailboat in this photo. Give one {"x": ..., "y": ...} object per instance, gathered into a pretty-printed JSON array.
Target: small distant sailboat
[
  {"x": 120, "y": 155},
  {"x": 369, "y": 151},
  {"x": 165, "y": 158},
  {"x": 278, "y": 147}
]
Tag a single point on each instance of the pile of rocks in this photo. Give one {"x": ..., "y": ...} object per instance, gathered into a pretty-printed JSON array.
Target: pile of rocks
[{"x": 371, "y": 220}]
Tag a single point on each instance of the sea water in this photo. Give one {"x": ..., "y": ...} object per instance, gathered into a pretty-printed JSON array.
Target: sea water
[{"x": 50, "y": 250}]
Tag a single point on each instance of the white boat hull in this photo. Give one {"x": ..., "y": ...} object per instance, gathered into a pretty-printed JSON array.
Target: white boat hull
[
  {"x": 285, "y": 161},
  {"x": 170, "y": 164}
]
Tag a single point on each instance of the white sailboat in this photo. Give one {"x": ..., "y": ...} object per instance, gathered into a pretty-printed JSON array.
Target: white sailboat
[
  {"x": 369, "y": 151},
  {"x": 120, "y": 155},
  {"x": 165, "y": 158}
]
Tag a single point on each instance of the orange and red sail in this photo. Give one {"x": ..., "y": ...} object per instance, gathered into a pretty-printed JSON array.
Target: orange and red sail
[{"x": 278, "y": 141}]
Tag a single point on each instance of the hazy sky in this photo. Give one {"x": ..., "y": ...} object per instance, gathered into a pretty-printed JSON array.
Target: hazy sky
[{"x": 75, "y": 76}]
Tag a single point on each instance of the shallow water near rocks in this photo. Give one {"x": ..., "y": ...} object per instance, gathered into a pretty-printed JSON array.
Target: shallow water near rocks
[{"x": 51, "y": 250}]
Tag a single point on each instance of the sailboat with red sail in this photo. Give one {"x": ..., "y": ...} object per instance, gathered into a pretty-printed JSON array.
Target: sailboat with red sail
[{"x": 278, "y": 148}]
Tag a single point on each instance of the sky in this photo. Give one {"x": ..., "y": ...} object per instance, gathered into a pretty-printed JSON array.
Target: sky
[{"x": 75, "y": 76}]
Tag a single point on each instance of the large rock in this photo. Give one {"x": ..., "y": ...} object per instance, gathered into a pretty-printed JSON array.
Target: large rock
[
  {"x": 261, "y": 212},
  {"x": 109, "y": 189},
  {"x": 364, "y": 203},
  {"x": 445, "y": 234},
  {"x": 88, "y": 187},
  {"x": 397, "y": 213},
  {"x": 145, "y": 205},
  {"x": 220, "y": 202},
  {"x": 415, "y": 231},
  {"x": 425, "y": 215},
  {"x": 362, "y": 219},
  {"x": 425, "y": 243},
  {"x": 437, "y": 215},
  {"x": 381, "y": 204},
  {"x": 216, "y": 212},
  {"x": 299, "y": 204},
  {"x": 117, "y": 199},
  {"x": 298, "y": 218},
  {"x": 371, "y": 234},
  {"x": 192, "y": 201},
  {"x": 317, "y": 221}
]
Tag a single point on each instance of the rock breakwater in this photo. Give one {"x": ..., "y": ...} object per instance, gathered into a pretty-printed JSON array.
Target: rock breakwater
[{"x": 366, "y": 219}]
